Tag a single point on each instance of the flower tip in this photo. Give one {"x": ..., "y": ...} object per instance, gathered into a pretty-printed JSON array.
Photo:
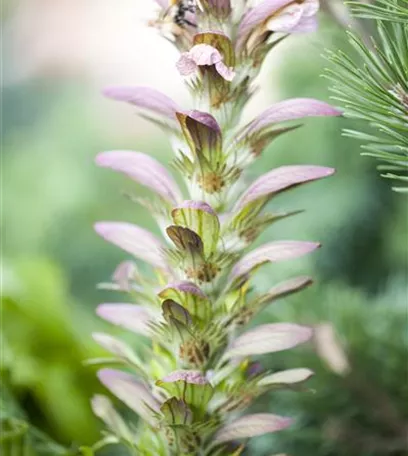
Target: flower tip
[
  {"x": 103, "y": 159},
  {"x": 103, "y": 229},
  {"x": 197, "y": 205},
  {"x": 194, "y": 377},
  {"x": 110, "y": 92},
  {"x": 100, "y": 228},
  {"x": 105, "y": 375}
]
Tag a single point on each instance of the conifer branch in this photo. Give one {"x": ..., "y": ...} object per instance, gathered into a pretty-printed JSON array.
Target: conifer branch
[{"x": 374, "y": 88}]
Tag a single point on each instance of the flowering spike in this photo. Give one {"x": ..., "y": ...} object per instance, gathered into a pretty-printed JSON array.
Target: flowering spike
[{"x": 199, "y": 374}]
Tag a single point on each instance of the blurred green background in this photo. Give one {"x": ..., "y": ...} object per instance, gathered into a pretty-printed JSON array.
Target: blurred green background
[{"x": 54, "y": 122}]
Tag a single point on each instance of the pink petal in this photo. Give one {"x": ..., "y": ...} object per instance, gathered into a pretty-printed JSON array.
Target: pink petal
[
  {"x": 113, "y": 345},
  {"x": 281, "y": 179},
  {"x": 252, "y": 425},
  {"x": 186, "y": 287},
  {"x": 204, "y": 54},
  {"x": 205, "y": 118},
  {"x": 199, "y": 205},
  {"x": 186, "y": 65},
  {"x": 310, "y": 7},
  {"x": 289, "y": 286},
  {"x": 225, "y": 72},
  {"x": 269, "y": 338},
  {"x": 143, "y": 169},
  {"x": 273, "y": 252},
  {"x": 306, "y": 25},
  {"x": 134, "y": 240},
  {"x": 256, "y": 16},
  {"x": 123, "y": 274},
  {"x": 129, "y": 316},
  {"x": 287, "y": 377},
  {"x": 131, "y": 392},
  {"x": 286, "y": 20},
  {"x": 293, "y": 109},
  {"x": 146, "y": 98},
  {"x": 163, "y": 3},
  {"x": 188, "y": 376}
]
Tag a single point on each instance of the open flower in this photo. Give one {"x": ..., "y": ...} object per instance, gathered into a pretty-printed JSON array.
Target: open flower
[
  {"x": 286, "y": 16},
  {"x": 204, "y": 55}
]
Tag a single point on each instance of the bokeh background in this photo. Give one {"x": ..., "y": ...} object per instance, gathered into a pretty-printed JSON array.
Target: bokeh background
[{"x": 57, "y": 56}]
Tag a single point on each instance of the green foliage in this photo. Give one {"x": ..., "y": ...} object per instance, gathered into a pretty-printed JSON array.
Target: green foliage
[
  {"x": 374, "y": 88},
  {"x": 43, "y": 353},
  {"x": 383, "y": 10}
]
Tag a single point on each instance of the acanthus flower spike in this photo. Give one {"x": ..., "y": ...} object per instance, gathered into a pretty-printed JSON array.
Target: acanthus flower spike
[{"x": 197, "y": 374}]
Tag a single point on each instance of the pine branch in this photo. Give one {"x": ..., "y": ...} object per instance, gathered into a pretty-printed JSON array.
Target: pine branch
[
  {"x": 383, "y": 10},
  {"x": 374, "y": 89}
]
